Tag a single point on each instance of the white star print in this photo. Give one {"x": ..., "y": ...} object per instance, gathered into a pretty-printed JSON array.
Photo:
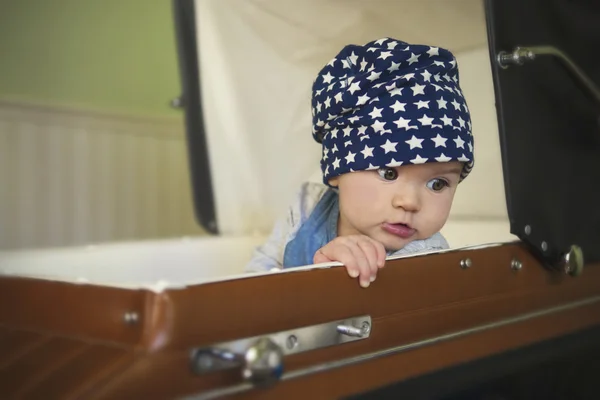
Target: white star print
[
  {"x": 332, "y": 62},
  {"x": 422, "y": 104},
  {"x": 334, "y": 149},
  {"x": 327, "y": 78},
  {"x": 397, "y": 106},
  {"x": 446, "y": 120},
  {"x": 462, "y": 158},
  {"x": 363, "y": 137},
  {"x": 414, "y": 142},
  {"x": 348, "y": 143},
  {"x": 437, "y": 87},
  {"x": 350, "y": 157},
  {"x": 336, "y": 163},
  {"x": 376, "y": 113},
  {"x": 363, "y": 65},
  {"x": 442, "y": 103},
  {"x": 371, "y": 166},
  {"x": 394, "y": 163},
  {"x": 362, "y": 100},
  {"x": 461, "y": 122},
  {"x": 367, "y": 151},
  {"x": 437, "y": 77},
  {"x": 327, "y": 170},
  {"x": 443, "y": 158},
  {"x": 470, "y": 147},
  {"x": 418, "y": 160},
  {"x": 456, "y": 105},
  {"x": 345, "y": 64},
  {"x": 459, "y": 142},
  {"x": 354, "y": 87},
  {"x": 433, "y": 51},
  {"x": 384, "y": 54},
  {"x": 425, "y": 120},
  {"x": 426, "y": 76},
  {"x": 402, "y": 123},
  {"x": 380, "y": 84},
  {"x": 397, "y": 91},
  {"x": 362, "y": 130},
  {"x": 330, "y": 117},
  {"x": 391, "y": 45},
  {"x": 374, "y": 75},
  {"x": 381, "y": 41},
  {"x": 418, "y": 89},
  {"x": 408, "y": 77},
  {"x": 355, "y": 118},
  {"x": 378, "y": 126},
  {"x": 347, "y": 130},
  {"x": 394, "y": 67},
  {"x": 353, "y": 58},
  {"x": 327, "y": 102},
  {"x": 413, "y": 58},
  {"x": 390, "y": 87},
  {"x": 439, "y": 141},
  {"x": 334, "y": 133},
  {"x": 338, "y": 97},
  {"x": 389, "y": 146},
  {"x": 325, "y": 152},
  {"x": 439, "y": 63}
]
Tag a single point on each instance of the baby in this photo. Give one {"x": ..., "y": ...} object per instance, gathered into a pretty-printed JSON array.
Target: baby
[{"x": 396, "y": 141}]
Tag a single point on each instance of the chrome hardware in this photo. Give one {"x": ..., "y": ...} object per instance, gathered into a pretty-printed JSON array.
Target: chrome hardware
[
  {"x": 544, "y": 246},
  {"x": 261, "y": 358},
  {"x": 352, "y": 331},
  {"x": 516, "y": 265},
  {"x": 466, "y": 263},
  {"x": 521, "y": 54},
  {"x": 528, "y": 229},
  {"x": 131, "y": 318},
  {"x": 263, "y": 364},
  {"x": 573, "y": 261}
]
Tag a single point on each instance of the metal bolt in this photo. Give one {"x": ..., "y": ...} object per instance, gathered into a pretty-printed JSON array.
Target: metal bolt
[
  {"x": 544, "y": 246},
  {"x": 366, "y": 328},
  {"x": 292, "y": 342},
  {"x": 516, "y": 265},
  {"x": 131, "y": 318},
  {"x": 466, "y": 263},
  {"x": 527, "y": 229}
]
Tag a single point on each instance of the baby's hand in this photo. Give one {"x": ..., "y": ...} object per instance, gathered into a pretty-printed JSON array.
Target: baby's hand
[{"x": 361, "y": 255}]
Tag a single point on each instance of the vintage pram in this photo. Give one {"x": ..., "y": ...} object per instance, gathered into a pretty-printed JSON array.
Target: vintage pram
[{"x": 515, "y": 320}]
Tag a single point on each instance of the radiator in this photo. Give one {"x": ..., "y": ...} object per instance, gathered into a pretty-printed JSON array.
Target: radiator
[{"x": 71, "y": 178}]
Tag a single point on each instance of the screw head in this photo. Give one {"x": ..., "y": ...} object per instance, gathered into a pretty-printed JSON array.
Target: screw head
[
  {"x": 466, "y": 263},
  {"x": 528, "y": 229},
  {"x": 544, "y": 246}
]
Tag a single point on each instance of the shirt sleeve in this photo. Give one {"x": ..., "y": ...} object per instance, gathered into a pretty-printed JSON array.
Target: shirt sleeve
[{"x": 269, "y": 255}]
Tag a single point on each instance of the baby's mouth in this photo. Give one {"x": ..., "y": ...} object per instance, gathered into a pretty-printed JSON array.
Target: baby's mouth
[{"x": 402, "y": 230}]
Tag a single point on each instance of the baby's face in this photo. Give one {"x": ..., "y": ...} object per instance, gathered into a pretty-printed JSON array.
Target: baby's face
[{"x": 397, "y": 205}]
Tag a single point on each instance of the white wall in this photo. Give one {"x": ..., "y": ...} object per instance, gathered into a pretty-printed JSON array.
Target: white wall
[{"x": 77, "y": 178}]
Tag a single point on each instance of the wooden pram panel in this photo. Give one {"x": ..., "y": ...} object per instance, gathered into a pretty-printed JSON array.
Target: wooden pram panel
[{"x": 97, "y": 355}]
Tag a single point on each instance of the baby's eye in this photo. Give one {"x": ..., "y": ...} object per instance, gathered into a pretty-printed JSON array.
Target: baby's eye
[
  {"x": 437, "y": 184},
  {"x": 389, "y": 174}
]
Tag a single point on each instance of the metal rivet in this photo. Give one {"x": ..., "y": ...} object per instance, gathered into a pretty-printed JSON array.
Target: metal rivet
[
  {"x": 516, "y": 265},
  {"x": 544, "y": 246},
  {"x": 466, "y": 263},
  {"x": 366, "y": 328},
  {"x": 131, "y": 318},
  {"x": 292, "y": 342},
  {"x": 527, "y": 229}
]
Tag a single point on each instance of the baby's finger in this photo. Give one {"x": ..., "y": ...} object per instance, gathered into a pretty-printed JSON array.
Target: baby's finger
[
  {"x": 341, "y": 253},
  {"x": 363, "y": 265},
  {"x": 381, "y": 253},
  {"x": 370, "y": 252},
  {"x": 320, "y": 258}
]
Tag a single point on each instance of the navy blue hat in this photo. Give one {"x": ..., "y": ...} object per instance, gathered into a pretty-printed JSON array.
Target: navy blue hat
[{"x": 390, "y": 103}]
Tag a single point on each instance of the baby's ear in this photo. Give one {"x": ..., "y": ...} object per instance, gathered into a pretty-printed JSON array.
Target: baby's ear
[{"x": 334, "y": 181}]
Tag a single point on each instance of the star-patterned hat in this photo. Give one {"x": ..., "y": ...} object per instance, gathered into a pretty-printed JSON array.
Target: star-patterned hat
[{"x": 390, "y": 103}]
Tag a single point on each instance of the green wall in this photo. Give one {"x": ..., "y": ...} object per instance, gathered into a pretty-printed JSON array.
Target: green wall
[{"x": 107, "y": 55}]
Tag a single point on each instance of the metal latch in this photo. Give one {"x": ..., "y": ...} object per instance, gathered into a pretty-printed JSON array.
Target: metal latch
[{"x": 261, "y": 358}]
